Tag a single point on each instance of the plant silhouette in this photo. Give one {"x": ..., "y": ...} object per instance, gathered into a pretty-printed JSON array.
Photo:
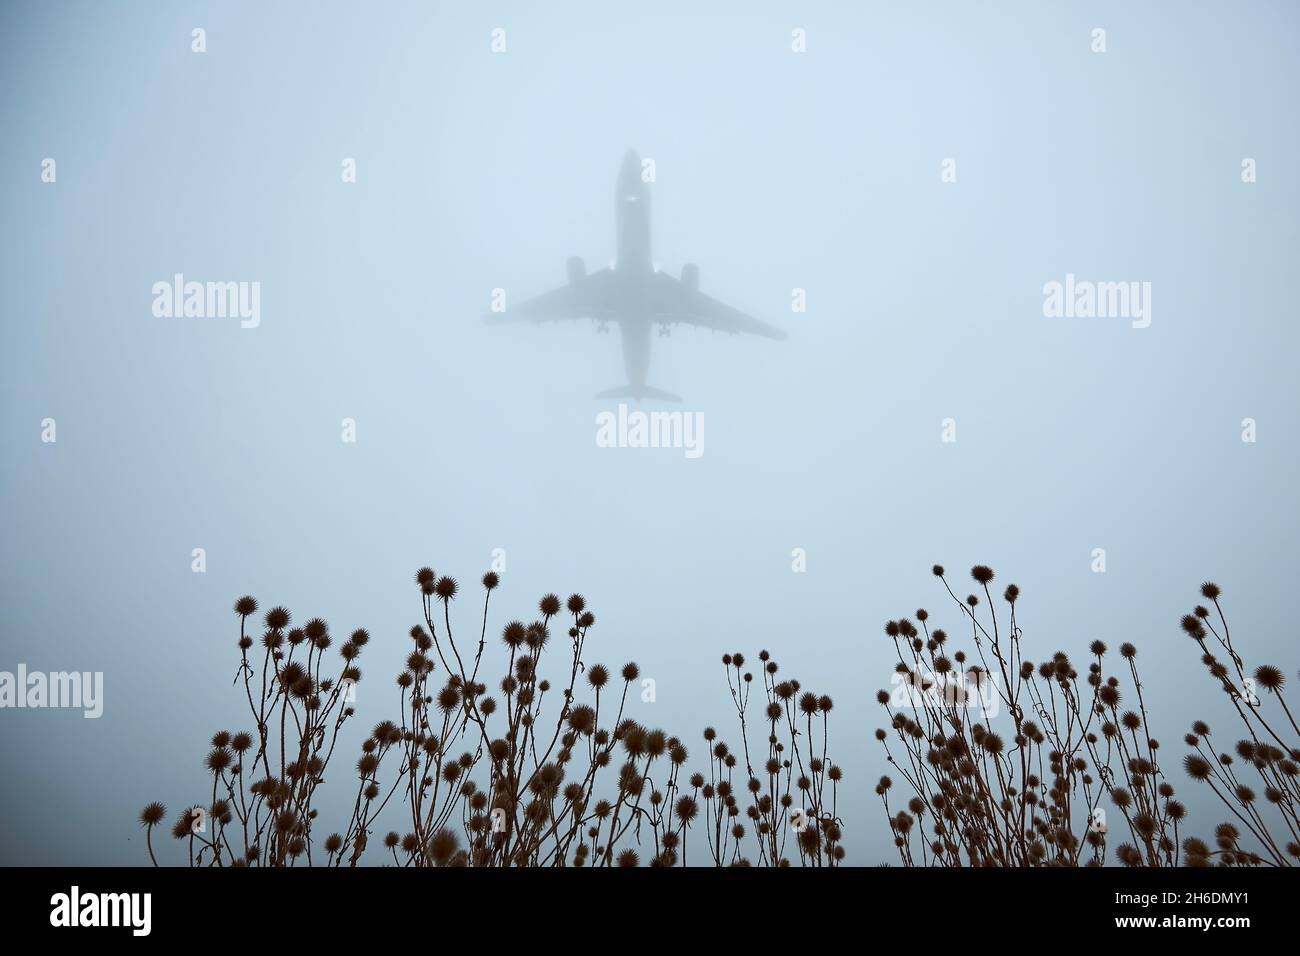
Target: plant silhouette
[
  {"x": 534, "y": 771},
  {"x": 1079, "y": 769},
  {"x": 1003, "y": 761}
]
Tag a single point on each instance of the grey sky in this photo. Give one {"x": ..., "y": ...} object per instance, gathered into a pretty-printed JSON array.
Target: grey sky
[{"x": 775, "y": 170}]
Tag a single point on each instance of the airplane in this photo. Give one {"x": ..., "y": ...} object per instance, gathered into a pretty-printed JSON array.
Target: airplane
[{"x": 634, "y": 293}]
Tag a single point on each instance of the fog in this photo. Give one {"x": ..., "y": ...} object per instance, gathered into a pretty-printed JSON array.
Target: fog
[{"x": 774, "y": 171}]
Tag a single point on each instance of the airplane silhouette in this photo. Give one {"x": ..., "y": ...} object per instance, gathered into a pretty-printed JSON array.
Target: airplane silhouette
[{"x": 634, "y": 293}]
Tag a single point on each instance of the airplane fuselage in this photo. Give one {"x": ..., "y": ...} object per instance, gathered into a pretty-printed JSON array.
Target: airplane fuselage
[
  {"x": 632, "y": 218},
  {"x": 633, "y": 268}
]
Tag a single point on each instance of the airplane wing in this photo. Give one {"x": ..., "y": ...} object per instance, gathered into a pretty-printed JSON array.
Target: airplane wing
[
  {"x": 672, "y": 300},
  {"x": 586, "y": 297}
]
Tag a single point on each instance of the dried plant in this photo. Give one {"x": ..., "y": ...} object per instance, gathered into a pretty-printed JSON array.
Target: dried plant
[
  {"x": 1271, "y": 748},
  {"x": 793, "y": 793},
  {"x": 495, "y": 778},
  {"x": 1081, "y": 770}
]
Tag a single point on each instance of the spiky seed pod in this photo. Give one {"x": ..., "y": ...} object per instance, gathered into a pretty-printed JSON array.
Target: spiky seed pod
[
  {"x": 514, "y": 634},
  {"x": 686, "y": 810},
  {"x": 184, "y": 825},
  {"x": 1270, "y": 678},
  {"x": 218, "y": 759},
  {"x": 443, "y": 846}
]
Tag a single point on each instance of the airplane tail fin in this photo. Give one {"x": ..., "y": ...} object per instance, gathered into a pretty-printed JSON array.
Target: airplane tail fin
[{"x": 639, "y": 392}]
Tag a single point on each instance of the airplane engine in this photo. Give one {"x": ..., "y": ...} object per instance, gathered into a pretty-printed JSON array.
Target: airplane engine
[
  {"x": 691, "y": 277},
  {"x": 577, "y": 270}
]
